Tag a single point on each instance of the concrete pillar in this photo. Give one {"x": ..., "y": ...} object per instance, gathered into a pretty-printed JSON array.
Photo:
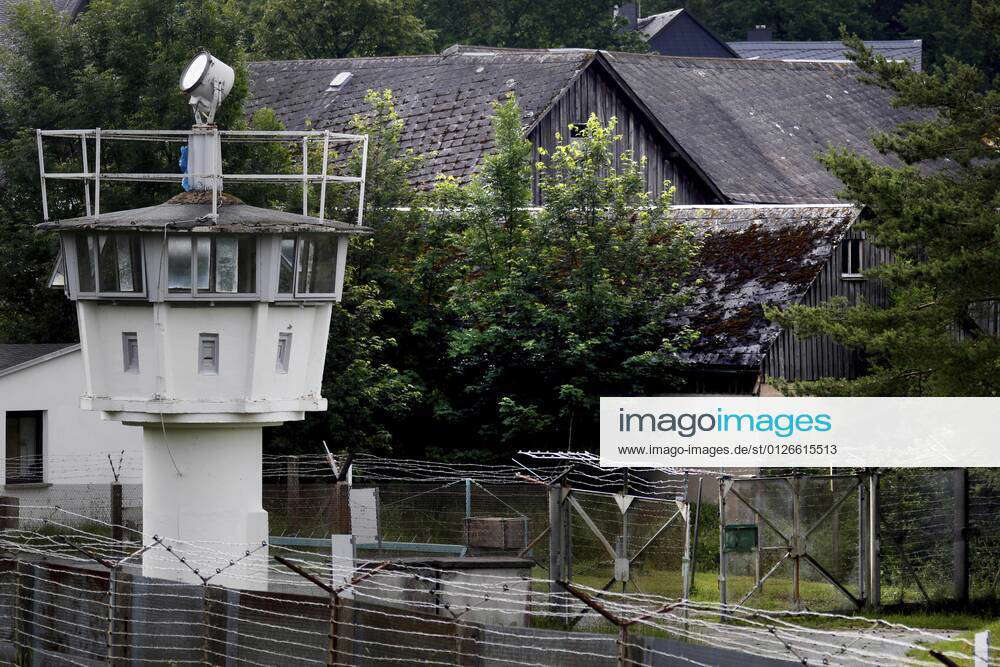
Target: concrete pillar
[{"x": 202, "y": 495}]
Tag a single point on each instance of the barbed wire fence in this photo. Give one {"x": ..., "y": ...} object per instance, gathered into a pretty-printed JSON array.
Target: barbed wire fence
[
  {"x": 70, "y": 596},
  {"x": 437, "y": 510}
]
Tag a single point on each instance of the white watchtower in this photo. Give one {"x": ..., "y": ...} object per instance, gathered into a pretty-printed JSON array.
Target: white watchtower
[{"x": 203, "y": 320}]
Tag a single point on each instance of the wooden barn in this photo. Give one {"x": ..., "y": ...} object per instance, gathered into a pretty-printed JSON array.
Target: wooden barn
[{"x": 737, "y": 138}]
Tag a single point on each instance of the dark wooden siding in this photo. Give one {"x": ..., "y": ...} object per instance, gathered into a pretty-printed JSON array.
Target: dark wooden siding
[
  {"x": 684, "y": 37},
  {"x": 594, "y": 92},
  {"x": 792, "y": 358}
]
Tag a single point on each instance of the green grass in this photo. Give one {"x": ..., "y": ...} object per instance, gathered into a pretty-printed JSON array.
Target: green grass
[
  {"x": 959, "y": 646},
  {"x": 819, "y": 596}
]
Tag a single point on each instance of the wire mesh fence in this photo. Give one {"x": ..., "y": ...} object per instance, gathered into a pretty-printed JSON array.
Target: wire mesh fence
[
  {"x": 61, "y": 605},
  {"x": 795, "y": 540},
  {"x": 420, "y": 508}
]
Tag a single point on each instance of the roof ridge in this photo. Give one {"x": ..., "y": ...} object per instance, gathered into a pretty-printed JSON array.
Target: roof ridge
[{"x": 732, "y": 62}]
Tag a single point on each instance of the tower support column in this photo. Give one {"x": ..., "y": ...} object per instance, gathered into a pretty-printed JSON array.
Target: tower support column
[{"x": 202, "y": 496}]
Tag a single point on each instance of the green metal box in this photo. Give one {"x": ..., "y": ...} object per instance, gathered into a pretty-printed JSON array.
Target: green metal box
[{"x": 740, "y": 538}]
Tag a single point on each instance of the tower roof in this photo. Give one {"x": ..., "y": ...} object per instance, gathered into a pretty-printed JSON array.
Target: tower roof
[{"x": 192, "y": 212}]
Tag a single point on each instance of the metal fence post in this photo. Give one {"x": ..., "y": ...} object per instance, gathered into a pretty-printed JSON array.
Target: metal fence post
[
  {"x": 468, "y": 498},
  {"x": 118, "y": 517},
  {"x": 874, "y": 541},
  {"x": 723, "y": 559},
  {"x": 797, "y": 547},
  {"x": 556, "y": 600},
  {"x": 862, "y": 540},
  {"x": 981, "y": 652},
  {"x": 960, "y": 539},
  {"x": 686, "y": 558}
]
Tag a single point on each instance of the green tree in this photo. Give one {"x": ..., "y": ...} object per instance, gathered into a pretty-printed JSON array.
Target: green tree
[
  {"x": 527, "y": 24},
  {"x": 964, "y": 30},
  {"x": 117, "y": 66},
  {"x": 288, "y": 29},
  {"x": 371, "y": 382},
  {"x": 942, "y": 224},
  {"x": 556, "y": 309}
]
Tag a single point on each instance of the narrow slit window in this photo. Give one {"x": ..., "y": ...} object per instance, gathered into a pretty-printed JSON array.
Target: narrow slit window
[
  {"x": 284, "y": 352},
  {"x": 208, "y": 354},
  {"x": 130, "y": 352},
  {"x": 852, "y": 257}
]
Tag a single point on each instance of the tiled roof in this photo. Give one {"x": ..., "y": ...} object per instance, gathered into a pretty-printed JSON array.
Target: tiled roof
[
  {"x": 15, "y": 354},
  {"x": 910, "y": 50},
  {"x": 445, "y": 100},
  {"x": 650, "y": 25},
  {"x": 756, "y": 127},
  {"x": 751, "y": 256}
]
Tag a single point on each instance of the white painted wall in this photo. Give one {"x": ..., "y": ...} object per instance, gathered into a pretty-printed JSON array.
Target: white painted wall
[
  {"x": 168, "y": 381},
  {"x": 75, "y": 442}
]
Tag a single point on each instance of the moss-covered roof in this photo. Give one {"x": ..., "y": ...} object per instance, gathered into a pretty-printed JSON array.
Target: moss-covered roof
[{"x": 753, "y": 256}]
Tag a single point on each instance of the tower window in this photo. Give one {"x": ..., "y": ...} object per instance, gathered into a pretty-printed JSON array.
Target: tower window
[
  {"x": 208, "y": 354},
  {"x": 212, "y": 264},
  {"x": 130, "y": 352},
  {"x": 851, "y": 258},
  {"x": 284, "y": 352}
]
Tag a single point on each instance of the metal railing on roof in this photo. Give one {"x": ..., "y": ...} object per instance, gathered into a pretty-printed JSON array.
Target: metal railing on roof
[{"x": 92, "y": 178}]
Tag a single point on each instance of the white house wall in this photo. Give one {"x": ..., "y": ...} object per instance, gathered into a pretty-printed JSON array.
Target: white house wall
[{"x": 75, "y": 443}]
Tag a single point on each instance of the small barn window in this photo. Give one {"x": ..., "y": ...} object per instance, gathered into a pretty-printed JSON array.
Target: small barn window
[
  {"x": 576, "y": 130},
  {"x": 208, "y": 354},
  {"x": 24, "y": 447},
  {"x": 284, "y": 352},
  {"x": 130, "y": 352},
  {"x": 852, "y": 258}
]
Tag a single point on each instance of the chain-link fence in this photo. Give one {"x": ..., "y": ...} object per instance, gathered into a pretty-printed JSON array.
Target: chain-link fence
[
  {"x": 940, "y": 527},
  {"x": 807, "y": 538},
  {"x": 793, "y": 540}
]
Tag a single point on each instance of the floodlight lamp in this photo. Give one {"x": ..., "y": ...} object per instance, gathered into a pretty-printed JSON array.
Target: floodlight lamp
[{"x": 207, "y": 80}]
